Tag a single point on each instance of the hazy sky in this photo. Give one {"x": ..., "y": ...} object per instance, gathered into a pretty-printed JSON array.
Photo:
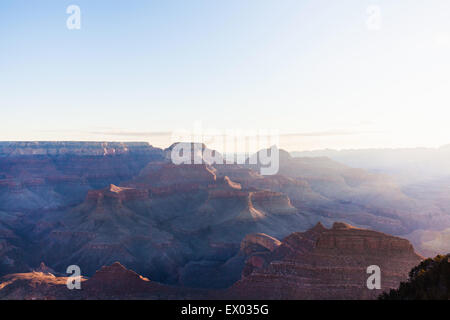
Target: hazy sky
[{"x": 326, "y": 74}]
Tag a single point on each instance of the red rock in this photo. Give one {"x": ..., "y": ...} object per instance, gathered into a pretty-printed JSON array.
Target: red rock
[
  {"x": 115, "y": 279},
  {"x": 259, "y": 239},
  {"x": 121, "y": 193},
  {"x": 324, "y": 264}
]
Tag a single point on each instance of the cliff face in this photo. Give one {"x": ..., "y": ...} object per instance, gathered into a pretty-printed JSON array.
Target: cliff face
[
  {"x": 110, "y": 282},
  {"x": 323, "y": 264},
  {"x": 115, "y": 192},
  {"x": 47, "y": 175},
  {"x": 291, "y": 269},
  {"x": 19, "y": 149},
  {"x": 11, "y": 246},
  {"x": 337, "y": 192},
  {"x": 116, "y": 280},
  {"x": 95, "y": 203},
  {"x": 165, "y": 173},
  {"x": 33, "y": 286},
  {"x": 172, "y": 223}
]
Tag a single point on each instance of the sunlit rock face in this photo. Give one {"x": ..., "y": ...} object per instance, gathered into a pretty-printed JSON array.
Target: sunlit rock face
[
  {"x": 323, "y": 263},
  {"x": 112, "y": 282}
]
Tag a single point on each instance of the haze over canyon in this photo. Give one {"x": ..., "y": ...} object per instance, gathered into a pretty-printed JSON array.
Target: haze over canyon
[{"x": 140, "y": 226}]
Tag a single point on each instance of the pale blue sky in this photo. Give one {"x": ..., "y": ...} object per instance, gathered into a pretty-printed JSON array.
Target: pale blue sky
[{"x": 311, "y": 69}]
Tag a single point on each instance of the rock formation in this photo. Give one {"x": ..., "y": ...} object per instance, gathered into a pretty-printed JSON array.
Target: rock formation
[
  {"x": 322, "y": 264},
  {"x": 174, "y": 224},
  {"x": 47, "y": 175},
  {"x": 110, "y": 282},
  {"x": 92, "y": 204}
]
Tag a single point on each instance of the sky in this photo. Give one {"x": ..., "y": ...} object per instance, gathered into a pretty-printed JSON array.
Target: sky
[{"x": 323, "y": 74}]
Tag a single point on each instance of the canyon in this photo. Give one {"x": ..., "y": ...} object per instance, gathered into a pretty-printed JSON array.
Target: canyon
[
  {"x": 195, "y": 226},
  {"x": 322, "y": 264},
  {"x": 317, "y": 264}
]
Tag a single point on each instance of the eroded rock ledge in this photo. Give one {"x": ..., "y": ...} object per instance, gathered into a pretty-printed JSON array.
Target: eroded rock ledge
[{"x": 322, "y": 263}]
